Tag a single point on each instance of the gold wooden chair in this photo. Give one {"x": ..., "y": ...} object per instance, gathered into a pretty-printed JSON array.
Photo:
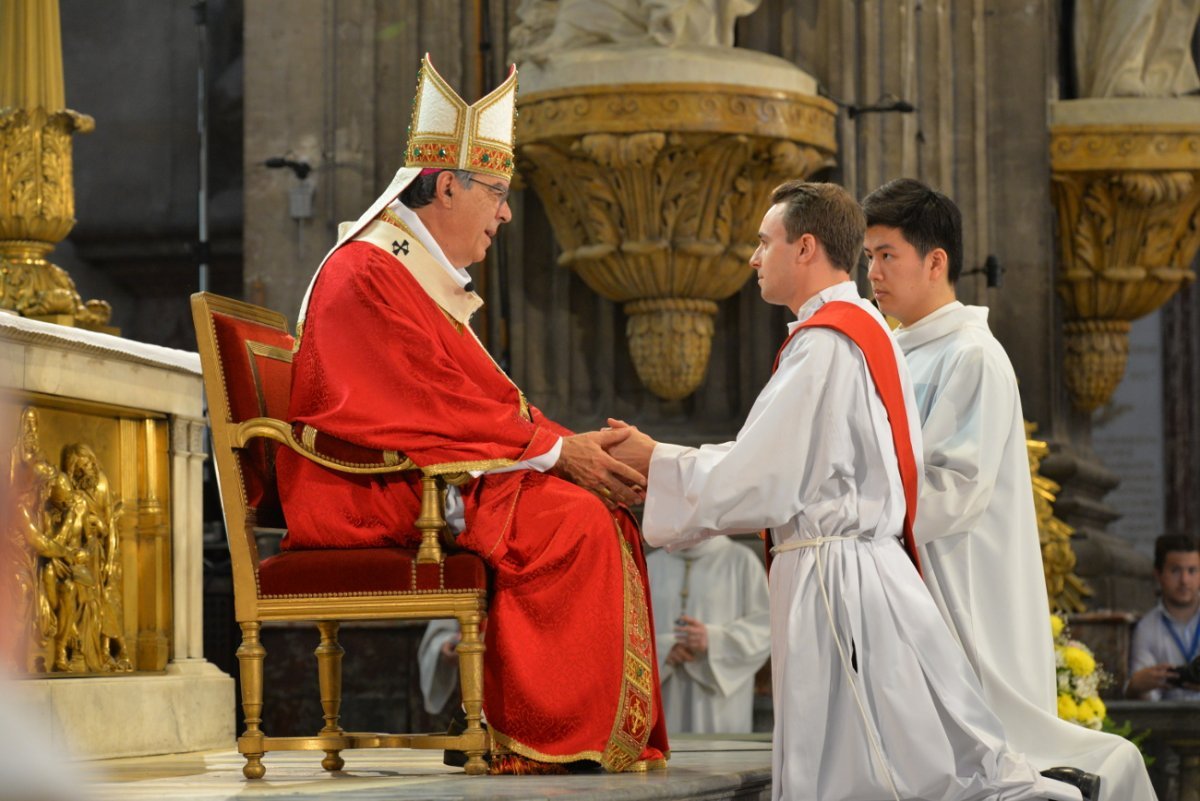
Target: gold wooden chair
[{"x": 246, "y": 356}]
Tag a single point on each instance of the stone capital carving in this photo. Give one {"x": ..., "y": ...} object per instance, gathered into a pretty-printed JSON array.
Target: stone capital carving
[
  {"x": 196, "y": 433},
  {"x": 187, "y": 436},
  {"x": 1087, "y": 148},
  {"x": 655, "y": 192},
  {"x": 1127, "y": 198}
]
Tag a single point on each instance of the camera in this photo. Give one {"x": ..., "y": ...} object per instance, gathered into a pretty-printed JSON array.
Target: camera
[{"x": 1188, "y": 673}]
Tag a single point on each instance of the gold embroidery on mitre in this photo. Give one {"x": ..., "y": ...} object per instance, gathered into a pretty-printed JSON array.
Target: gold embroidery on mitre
[{"x": 446, "y": 133}]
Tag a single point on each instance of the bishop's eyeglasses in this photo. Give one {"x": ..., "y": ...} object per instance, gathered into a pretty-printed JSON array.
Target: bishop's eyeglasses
[{"x": 499, "y": 192}]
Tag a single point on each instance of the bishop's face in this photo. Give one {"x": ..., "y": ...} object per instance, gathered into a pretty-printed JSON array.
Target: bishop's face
[
  {"x": 480, "y": 208},
  {"x": 774, "y": 260}
]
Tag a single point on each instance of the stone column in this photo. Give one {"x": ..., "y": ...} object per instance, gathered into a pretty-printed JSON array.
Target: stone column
[{"x": 187, "y": 463}]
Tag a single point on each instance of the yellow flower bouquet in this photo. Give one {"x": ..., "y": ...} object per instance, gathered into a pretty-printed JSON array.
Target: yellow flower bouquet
[{"x": 1079, "y": 679}]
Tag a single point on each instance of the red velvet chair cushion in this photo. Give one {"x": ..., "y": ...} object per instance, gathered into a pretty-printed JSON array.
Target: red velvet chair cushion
[
  {"x": 258, "y": 379},
  {"x": 367, "y": 570}
]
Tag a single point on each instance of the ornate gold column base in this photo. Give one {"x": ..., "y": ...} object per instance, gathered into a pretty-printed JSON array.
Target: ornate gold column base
[
  {"x": 655, "y": 193},
  {"x": 1127, "y": 197},
  {"x": 670, "y": 341},
  {"x": 37, "y": 210},
  {"x": 34, "y": 287},
  {"x": 1094, "y": 357}
]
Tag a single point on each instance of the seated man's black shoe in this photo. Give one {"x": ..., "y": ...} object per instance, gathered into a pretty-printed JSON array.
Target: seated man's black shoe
[
  {"x": 1088, "y": 783},
  {"x": 458, "y": 724}
]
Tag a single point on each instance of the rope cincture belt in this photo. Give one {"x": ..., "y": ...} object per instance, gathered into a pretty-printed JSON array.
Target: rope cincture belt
[
  {"x": 847, "y": 668},
  {"x": 795, "y": 545}
]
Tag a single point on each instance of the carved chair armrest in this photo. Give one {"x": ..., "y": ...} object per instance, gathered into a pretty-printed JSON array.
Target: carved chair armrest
[
  {"x": 431, "y": 522},
  {"x": 281, "y": 432}
]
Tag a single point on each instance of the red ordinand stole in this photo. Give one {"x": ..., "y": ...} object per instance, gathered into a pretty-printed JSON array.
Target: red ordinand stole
[{"x": 857, "y": 325}]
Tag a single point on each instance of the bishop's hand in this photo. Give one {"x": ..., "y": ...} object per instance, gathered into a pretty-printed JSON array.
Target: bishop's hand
[{"x": 584, "y": 460}]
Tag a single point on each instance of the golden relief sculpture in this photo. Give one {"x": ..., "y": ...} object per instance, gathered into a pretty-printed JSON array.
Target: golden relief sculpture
[
  {"x": 655, "y": 192},
  {"x": 37, "y": 198},
  {"x": 67, "y": 560},
  {"x": 1065, "y": 589},
  {"x": 1127, "y": 198}
]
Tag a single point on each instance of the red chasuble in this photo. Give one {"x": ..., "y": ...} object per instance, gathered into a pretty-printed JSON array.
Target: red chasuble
[
  {"x": 864, "y": 331},
  {"x": 570, "y": 666}
]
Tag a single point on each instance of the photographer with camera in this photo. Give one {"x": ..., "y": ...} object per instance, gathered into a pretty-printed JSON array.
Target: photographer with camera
[{"x": 1164, "y": 662}]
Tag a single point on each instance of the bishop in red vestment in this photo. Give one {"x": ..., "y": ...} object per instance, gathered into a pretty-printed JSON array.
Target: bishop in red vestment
[{"x": 387, "y": 361}]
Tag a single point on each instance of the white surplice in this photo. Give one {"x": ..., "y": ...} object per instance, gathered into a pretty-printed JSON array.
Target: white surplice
[
  {"x": 873, "y": 697},
  {"x": 723, "y": 585},
  {"x": 977, "y": 531}
]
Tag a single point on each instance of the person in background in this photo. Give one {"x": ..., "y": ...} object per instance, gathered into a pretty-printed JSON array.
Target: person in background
[
  {"x": 714, "y": 632},
  {"x": 1166, "y": 641},
  {"x": 437, "y": 663}
]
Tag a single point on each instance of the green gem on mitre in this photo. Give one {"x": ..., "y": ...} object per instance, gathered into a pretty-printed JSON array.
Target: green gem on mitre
[
  {"x": 485, "y": 158},
  {"x": 442, "y": 152},
  {"x": 416, "y": 152}
]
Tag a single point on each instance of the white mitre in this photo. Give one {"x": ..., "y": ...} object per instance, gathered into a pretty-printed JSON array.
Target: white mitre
[{"x": 446, "y": 133}]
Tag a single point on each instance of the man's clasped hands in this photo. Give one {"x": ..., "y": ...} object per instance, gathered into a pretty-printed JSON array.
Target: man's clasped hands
[{"x": 612, "y": 462}]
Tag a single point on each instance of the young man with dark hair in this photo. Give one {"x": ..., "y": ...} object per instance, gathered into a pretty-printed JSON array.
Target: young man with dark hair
[
  {"x": 1166, "y": 642},
  {"x": 975, "y": 527},
  {"x": 873, "y": 698}
]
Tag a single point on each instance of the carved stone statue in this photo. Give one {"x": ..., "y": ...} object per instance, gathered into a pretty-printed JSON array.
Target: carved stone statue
[
  {"x": 547, "y": 27},
  {"x": 101, "y": 542},
  {"x": 68, "y": 571},
  {"x": 1135, "y": 48}
]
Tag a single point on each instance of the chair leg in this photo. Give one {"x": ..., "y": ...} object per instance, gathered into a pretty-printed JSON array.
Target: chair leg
[
  {"x": 470, "y": 671},
  {"x": 329, "y": 672},
  {"x": 250, "y": 656}
]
